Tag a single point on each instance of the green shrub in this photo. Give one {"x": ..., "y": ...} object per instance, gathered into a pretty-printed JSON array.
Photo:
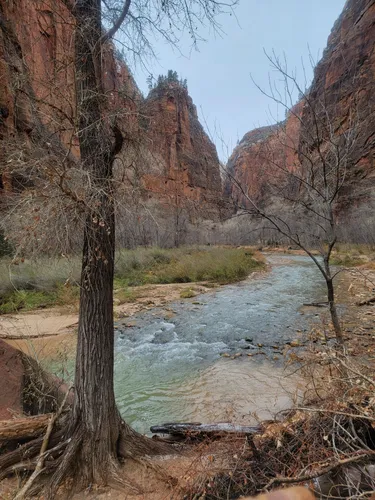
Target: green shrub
[
  {"x": 26, "y": 300},
  {"x": 47, "y": 281},
  {"x": 125, "y": 295},
  {"x": 188, "y": 293}
]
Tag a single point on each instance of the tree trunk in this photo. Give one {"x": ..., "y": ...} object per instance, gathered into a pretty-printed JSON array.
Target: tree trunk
[
  {"x": 333, "y": 311},
  {"x": 97, "y": 434},
  {"x": 96, "y": 423}
]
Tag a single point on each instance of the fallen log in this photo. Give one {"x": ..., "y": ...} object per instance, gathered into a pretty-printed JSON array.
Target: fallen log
[
  {"x": 10, "y": 336},
  {"x": 366, "y": 302},
  {"x": 316, "y": 304},
  {"x": 198, "y": 429},
  {"x": 23, "y": 428}
]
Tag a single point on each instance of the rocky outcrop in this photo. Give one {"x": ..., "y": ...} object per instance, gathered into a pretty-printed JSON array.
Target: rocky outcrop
[
  {"x": 262, "y": 160},
  {"x": 178, "y": 164},
  {"x": 185, "y": 166},
  {"x": 344, "y": 81},
  {"x": 12, "y": 381}
]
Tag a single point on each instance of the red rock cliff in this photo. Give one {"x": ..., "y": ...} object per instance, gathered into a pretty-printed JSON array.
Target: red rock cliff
[
  {"x": 344, "y": 79},
  {"x": 184, "y": 162},
  {"x": 37, "y": 105}
]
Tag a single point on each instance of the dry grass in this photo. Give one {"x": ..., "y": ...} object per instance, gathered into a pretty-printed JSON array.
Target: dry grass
[{"x": 27, "y": 285}]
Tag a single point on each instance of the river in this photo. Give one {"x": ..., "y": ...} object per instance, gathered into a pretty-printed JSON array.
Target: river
[{"x": 169, "y": 365}]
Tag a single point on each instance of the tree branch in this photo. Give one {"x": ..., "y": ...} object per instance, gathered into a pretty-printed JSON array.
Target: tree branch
[{"x": 110, "y": 33}]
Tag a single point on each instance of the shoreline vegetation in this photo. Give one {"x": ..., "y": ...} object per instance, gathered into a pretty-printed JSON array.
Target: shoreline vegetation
[{"x": 27, "y": 285}]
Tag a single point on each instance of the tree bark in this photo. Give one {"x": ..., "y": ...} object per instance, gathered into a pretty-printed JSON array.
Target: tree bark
[
  {"x": 95, "y": 426},
  {"x": 333, "y": 311}
]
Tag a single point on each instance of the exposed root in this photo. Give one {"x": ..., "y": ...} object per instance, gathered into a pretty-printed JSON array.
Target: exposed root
[
  {"x": 63, "y": 459},
  {"x": 131, "y": 444},
  {"x": 25, "y": 453},
  {"x": 43, "y": 451}
]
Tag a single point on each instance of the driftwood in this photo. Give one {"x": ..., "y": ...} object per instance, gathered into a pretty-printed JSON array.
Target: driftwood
[
  {"x": 197, "y": 429},
  {"x": 366, "y": 302},
  {"x": 316, "y": 304},
  {"x": 23, "y": 428},
  {"x": 10, "y": 336}
]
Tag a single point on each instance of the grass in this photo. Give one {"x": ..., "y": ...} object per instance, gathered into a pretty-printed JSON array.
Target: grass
[
  {"x": 27, "y": 285},
  {"x": 188, "y": 293},
  {"x": 353, "y": 255}
]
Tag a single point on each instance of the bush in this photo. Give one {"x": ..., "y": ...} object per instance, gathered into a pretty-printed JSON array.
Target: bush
[
  {"x": 188, "y": 293},
  {"x": 45, "y": 282},
  {"x": 222, "y": 265}
]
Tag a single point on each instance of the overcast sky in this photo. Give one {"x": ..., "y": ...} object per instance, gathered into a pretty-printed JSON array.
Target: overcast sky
[{"x": 219, "y": 74}]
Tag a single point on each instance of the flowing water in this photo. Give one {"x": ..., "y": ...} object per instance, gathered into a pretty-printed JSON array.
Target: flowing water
[{"x": 169, "y": 367}]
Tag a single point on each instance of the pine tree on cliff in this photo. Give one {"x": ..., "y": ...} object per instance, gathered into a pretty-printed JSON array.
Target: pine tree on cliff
[{"x": 94, "y": 436}]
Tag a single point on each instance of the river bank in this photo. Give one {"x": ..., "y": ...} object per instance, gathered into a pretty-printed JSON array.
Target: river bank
[
  {"x": 252, "y": 326},
  {"x": 233, "y": 388}
]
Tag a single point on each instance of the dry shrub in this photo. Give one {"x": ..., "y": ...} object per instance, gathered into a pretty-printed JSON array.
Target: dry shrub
[{"x": 327, "y": 443}]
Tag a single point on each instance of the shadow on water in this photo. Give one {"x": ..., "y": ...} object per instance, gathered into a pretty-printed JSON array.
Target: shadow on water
[{"x": 172, "y": 369}]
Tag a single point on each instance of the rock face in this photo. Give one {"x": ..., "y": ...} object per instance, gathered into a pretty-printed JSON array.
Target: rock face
[
  {"x": 37, "y": 111},
  {"x": 344, "y": 80},
  {"x": 263, "y": 158},
  {"x": 185, "y": 162}
]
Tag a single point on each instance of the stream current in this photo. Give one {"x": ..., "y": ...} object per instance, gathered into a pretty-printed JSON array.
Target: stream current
[{"x": 170, "y": 367}]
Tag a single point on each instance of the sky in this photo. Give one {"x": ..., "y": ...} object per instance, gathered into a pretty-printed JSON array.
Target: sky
[{"x": 218, "y": 74}]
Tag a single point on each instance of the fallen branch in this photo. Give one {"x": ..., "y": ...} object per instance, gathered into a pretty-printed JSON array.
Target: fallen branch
[
  {"x": 197, "y": 429},
  {"x": 318, "y": 473},
  {"x": 316, "y": 304},
  {"x": 23, "y": 428},
  {"x": 43, "y": 451},
  {"x": 366, "y": 302},
  {"x": 30, "y": 336}
]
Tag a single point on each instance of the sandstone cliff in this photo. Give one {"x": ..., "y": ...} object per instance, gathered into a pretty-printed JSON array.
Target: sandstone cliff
[
  {"x": 185, "y": 162},
  {"x": 165, "y": 150},
  {"x": 344, "y": 81}
]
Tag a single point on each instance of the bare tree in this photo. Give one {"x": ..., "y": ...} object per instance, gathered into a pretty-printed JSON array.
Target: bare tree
[
  {"x": 94, "y": 436},
  {"x": 305, "y": 173}
]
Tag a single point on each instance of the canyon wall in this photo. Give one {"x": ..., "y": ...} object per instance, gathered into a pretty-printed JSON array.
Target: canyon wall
[
  {"x": 344, "y": 81},
  {"x": 166, "y": 150}
]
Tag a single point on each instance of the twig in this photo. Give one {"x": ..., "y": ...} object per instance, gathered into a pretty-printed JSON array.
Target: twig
[
  {"x": 321, "y": 472},
  {"x": 324, "y": 410},
  {"x": 366, "y": 302},
  {"x": 359, "y": 374},
  {"x": 42, "y": 455}
]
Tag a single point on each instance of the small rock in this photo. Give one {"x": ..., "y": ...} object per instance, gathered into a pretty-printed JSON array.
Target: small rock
[
  {"x": 225, "y": 355},
  {"x": 237, "y": 355}
]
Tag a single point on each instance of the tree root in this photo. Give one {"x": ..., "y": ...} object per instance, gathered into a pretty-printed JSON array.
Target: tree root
[
  {"x": 60, "y": 457},
  {"x": 43, "y": 451}
]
